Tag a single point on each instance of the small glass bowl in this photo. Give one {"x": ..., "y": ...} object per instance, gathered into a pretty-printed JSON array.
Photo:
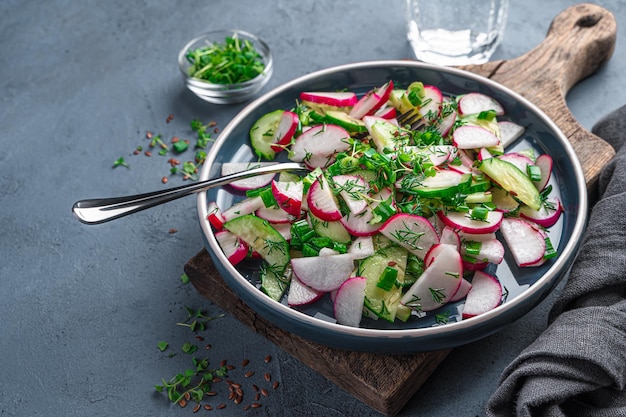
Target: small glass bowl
[{"x": 225, "y": 93}]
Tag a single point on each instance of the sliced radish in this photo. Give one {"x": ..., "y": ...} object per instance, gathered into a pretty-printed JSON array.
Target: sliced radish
[
  {"x": 321, "y": 201},
  {"x": 348, "y": 302},
  {"x": 362, "y": 224},
  {"x": 335, "y": 99},
  {"x": 431, "y": 108},
  {"x": 372, "y": 101},
  {"x": 215, "y": 216},
  {"x": 352, "y": 189},
  {"x": 284, "y": 229},
  {"x": 285, "y": 131},
  {"x": 485, "y": 295},
  {"x": 323, "y": 273},
  {"x": 525, "y": 241},
  {"x": 491, "y": 251},
  {"x": 439, "y": 282},
  {"x": 474, "y": 137},
  {"x": 447, "y": 122},
  {"x": 432, "y": 253},
  {"x": 544, "y": 162},
  {"x": 386, "y": 112},
  {"x": 476, "y": 237},
  {"x": 510, "y": 132},
  {"x": 299, "y": 294},
  {"x": 289, "y": 196},
  {"x": 247, "y": 206},
  {"x": 547, "y": 215},
  {"x": 463, "y": 222},
  {"x": 474, "y": 266},
  {"x": 251, "y": 183},
  {"x": 437, "y": 154},
  {"x": 520, "y": 161},
  {"x": 413, "y": 232},
  {"x": 234, "y": 248},
  {"x": 483, "y": 154},
  {"x": 362, "y": 247},
  {"x": 461, "y": 293},
  {"x": 467, "y": 163},
  {"x": 450, "y": 237},
  {"x": 317, "y": 146},
  {"x": 473, "y": 103},
  {"x": 274, "y": 215}
]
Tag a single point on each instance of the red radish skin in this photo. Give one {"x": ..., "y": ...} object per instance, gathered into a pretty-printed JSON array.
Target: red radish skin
[
  {"x": 544, "y": 162},
  {"x": 335, "y": 99},
  {"x": 474, "y": 137},
  {"x": 525, "y": 241},
  {"x": 318, "y": 145},
  {"x": 325, "y": 273},
  {"x": 289, "y": 196},
  {"x": 386, "y": 112},
  {"x": 321, "y": 201},
  {"x": 246, "y": 184},
  {"x": 483, "y": 154},
  {"x": 432, "y": 253},
  {"x": 485, "y": 295},
  {"x": 234, "y": 248},
  {"x": 215, "y": 216},
  {"x": 348, "y": 302},
  {"x": 299, "y": 294},
  {"x": 474, "y": 103},
  {"x": 462, "y": 222},
  {"x": 415, "y": 233},
  {"x": 285, "y": 131},
  {"x": 372, "y": 101},
  {"x": 544, "y": 217},
  {"x": 474, "y": 266}
]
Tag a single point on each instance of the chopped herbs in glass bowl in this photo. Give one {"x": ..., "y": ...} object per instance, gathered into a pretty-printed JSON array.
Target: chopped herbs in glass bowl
[{"x": 225, "y": 66}]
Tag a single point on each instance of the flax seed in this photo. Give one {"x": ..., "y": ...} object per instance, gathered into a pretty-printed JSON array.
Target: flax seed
[
  {"x": 275, "y": 385},
  {"x": 256, "y": 405},
  {"x": 187, "y": 396},
  {"x": 268, "y": 358},
  {"x": 211, "y": 393},
  {"x": 221, "y": 406},
  {"x": 172, "y": 231},
  {"x": 245, "y": 363},
  {"x": 208, "y": 346},
  {"x": 164, "y": 180},
  {"x": 148, "y": 153},
  {"x": 257, "y": 397},
  {"x": 255, "y": 388},
  {"x": 230, "y": 367},
  {"x": 148, "y": 135},
  {"x": 246, "y": 407},
  {"x": 216, "y": 379},
  {"x": 264, "y": 392},
  {"x": 182, "y": 403},
  {"x": 196, "y": 408},
  {"x": 208, "y": 407},
  {"x": 169, "y": 118},
  {"x": 236, "y": 385},
  {"x": 199, "y": 338},
  {"x": 249, "y": 374},
  {"x": 267, "y": 377},
  {"x": 175, "y": 139}
]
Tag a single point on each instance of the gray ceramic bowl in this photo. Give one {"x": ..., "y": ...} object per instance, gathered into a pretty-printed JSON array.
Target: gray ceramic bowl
[{"x": 526, "y": 286}]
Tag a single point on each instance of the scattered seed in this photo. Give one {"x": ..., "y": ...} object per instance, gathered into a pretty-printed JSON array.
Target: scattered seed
[
  {"x": 268, "y": 358},
  {"x": 164, "y": 180},
  {"x": 208, "y": 407},
  {"x": 199, "y": 338},
  {"x": 212, "y": 123},
  {"x": 182, "y": 403},
  {"x": 169, "y": 118},
  {"x": 249, "y": 374},
  {"x": 136, "y": 152},
  {"x": 264, "y": 392},
  {"x": 220, "y": 406},
  {"x": 148, "y": 153},
  {"x": 187, "y": 396},
  {"x": 275, "y": 385},
  {"x": 238, "y": 400},
  {"x": 230, "y": 367},
  {"x": 235, "y": 385},
  {"x": 256, "y": 405},
  {"x": 196, "y": 408},
  {"x": 172, "y": 231},
  {"x": 254, "y": 387},
  {"x": 232, "y": 395},
  {"x": 175, "y": 139},
  {"x": 267, "y": 377},
  {"x": 148, "y": 135},
  {"x": 246, "y": 407},
  {"x": 245, "y": 363},
  {"x": 239, "y": 392},
  {"x": 216, "y": 379},
  {"x": 216, "y": 130},
  {"x": 257, "y": 397},
  {"x": 208, "y": 346},
  {"x": 211, "y": 393}
]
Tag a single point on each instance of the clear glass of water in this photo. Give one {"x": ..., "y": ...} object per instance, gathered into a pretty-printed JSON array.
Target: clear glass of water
[{"x": 456, "y": 32}]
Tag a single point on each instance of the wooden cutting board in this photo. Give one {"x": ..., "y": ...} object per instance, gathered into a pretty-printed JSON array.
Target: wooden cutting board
[{"x": 580, "y": 40}]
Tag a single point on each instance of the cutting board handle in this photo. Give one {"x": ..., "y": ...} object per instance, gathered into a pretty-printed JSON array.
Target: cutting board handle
[{"x": 579, "y": 41}]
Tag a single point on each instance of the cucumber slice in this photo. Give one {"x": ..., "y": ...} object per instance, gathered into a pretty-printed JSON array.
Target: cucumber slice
[
  {"x": 262, "y": 134},
  {"x": 342, "y": 119},
  {"x": 261, "y": 237},
  {"x": 513, "y": 180},
  {"x": 382, "y": 303}
]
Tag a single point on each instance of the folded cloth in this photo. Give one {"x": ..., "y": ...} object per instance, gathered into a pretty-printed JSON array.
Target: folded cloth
[{"x": 577, "y": 367}]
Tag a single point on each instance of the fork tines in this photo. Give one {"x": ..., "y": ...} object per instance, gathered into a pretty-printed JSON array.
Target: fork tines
[{"x": 412, "y": 119}]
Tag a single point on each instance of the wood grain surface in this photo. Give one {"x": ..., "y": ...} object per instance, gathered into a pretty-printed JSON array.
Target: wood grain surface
[{"x": 580, "y": 40}]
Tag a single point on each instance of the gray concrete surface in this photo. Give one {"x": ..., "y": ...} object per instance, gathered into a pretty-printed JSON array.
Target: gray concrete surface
[{"x": 82, "y": 308}]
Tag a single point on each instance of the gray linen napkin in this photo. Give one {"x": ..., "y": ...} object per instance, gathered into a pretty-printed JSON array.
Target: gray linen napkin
[{"x": 577, "y": 367}]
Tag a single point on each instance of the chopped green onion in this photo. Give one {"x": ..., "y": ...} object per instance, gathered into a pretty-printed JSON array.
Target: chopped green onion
[
  {"x": 472, "y": 247},
  {"x": 479, "y": 213},
  {"x": 388, "y": 278},
  {"x": 488, "y": 115},
  {"x": 550, "y": 251},
  {"x": 534, "y": 172}
]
